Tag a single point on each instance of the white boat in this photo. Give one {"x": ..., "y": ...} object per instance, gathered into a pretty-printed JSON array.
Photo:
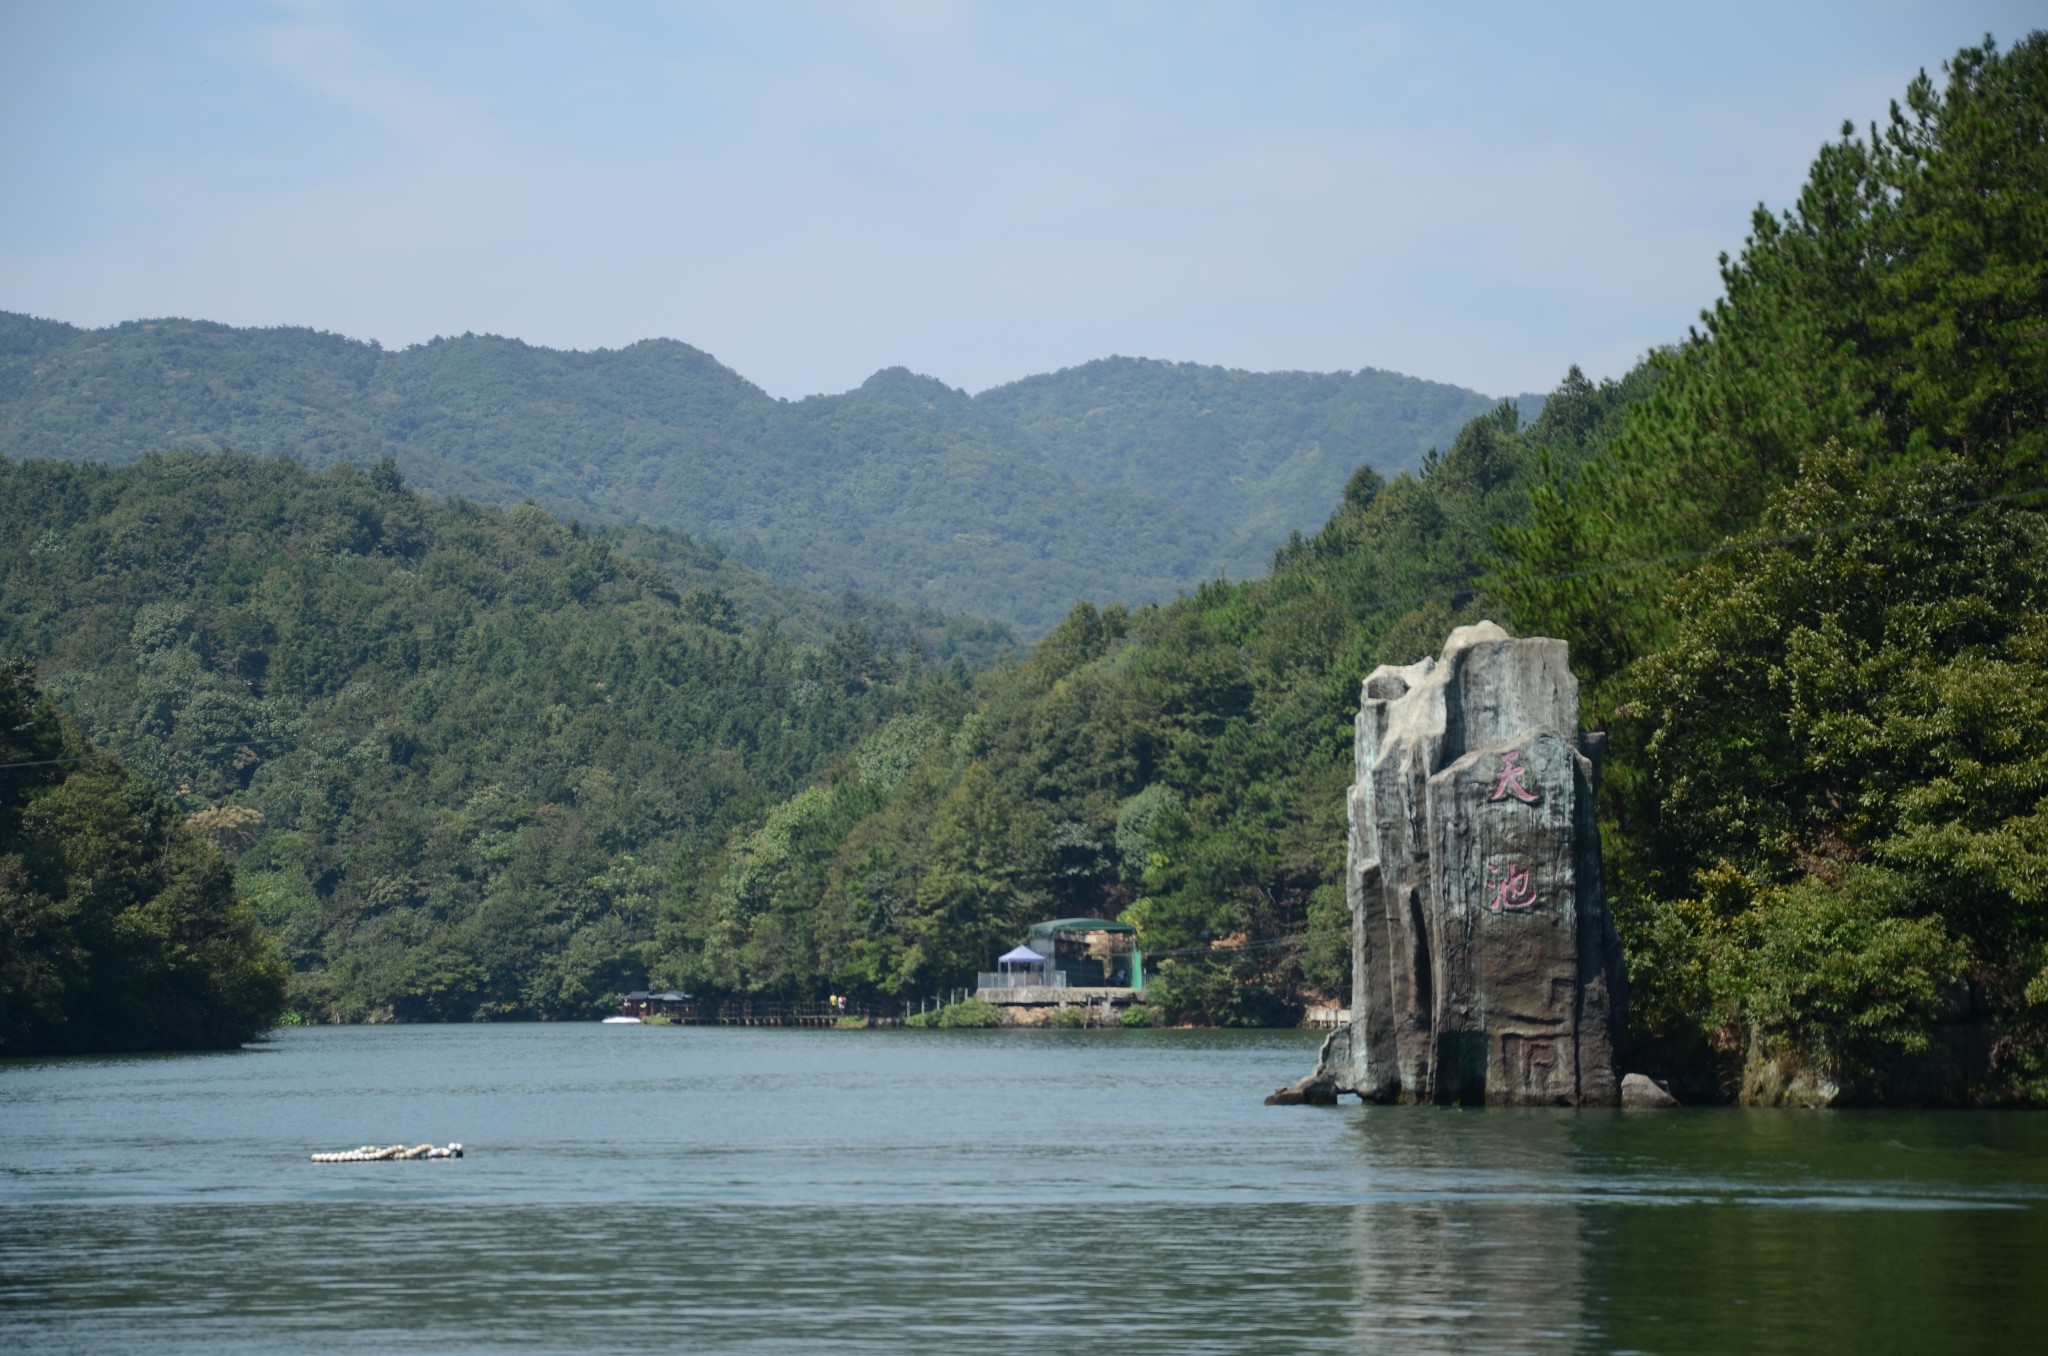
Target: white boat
[{"x": 622, "y": 1021}]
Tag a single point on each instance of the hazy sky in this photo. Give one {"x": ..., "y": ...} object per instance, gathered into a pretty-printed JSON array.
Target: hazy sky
[{"x": 977, "y": 191}]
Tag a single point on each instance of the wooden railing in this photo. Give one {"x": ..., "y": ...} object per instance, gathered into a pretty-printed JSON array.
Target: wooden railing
[{"x": 758, "y": 1012}]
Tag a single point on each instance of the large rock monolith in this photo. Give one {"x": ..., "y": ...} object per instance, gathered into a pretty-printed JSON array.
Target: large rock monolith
[{"x": 1485, "y": 965}]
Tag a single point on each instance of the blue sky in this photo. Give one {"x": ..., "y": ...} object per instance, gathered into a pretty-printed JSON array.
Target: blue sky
[{"x": 1479, "y": 194}]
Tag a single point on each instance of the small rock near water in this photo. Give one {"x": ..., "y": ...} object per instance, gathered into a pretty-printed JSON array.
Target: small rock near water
[
  {"x": 1306, "y": 1091},
  {"x": 1643, "y": 1091}
]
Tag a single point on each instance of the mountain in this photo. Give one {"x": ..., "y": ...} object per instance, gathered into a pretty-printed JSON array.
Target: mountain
[
  {"x": 1121, "y": 479},
  {"x": 1258, "y": 454},
  {"x": 460, "y": 751}
]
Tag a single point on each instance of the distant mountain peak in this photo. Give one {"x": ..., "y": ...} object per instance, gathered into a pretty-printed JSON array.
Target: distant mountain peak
[
  {"x": 28, "y": 334},
  {"x": 913, "y": 390}
]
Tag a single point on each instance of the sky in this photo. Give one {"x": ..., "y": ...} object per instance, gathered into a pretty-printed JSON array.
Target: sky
[{"x": 1479, "y": 194}]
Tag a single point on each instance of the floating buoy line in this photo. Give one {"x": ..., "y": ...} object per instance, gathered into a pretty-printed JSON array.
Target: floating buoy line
[{"x": 370, "y": 1153}]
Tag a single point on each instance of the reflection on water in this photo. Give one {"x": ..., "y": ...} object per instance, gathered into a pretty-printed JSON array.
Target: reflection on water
[
  {"x": 749, "y": 1190},
  {"x": 1470, "y": 1245},
  {"x": 1706, "y": 1230},
  {"x": 1442, "y": 1276}
]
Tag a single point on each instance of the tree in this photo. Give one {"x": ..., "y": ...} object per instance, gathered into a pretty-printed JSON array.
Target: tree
[
  {"x": 120, "y": 928},
  {"x": 1849, "y": 737},
  {"x": 983, "y": 878},
  {"x": 1896, "y": 310}
]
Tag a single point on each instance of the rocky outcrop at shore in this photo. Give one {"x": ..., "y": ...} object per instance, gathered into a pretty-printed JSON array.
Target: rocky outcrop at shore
[{"x": 1485, "y": 965}]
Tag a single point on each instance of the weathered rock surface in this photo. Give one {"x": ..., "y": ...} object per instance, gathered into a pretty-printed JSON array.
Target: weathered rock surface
[
  {"x": 1645, "y": 1093},
  {"x": 1485, "y": 966}
]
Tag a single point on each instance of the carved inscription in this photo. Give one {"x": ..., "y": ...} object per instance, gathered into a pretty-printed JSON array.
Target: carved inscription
[
  {"x": 1511, "y": 888},
  {"x": 1508, "y": 885},
  {"x": 1510, "y": 783}
]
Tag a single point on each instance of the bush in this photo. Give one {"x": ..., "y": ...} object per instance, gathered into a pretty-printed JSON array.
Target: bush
[
  {"x": 1231, "y": 990},
  {"x": 967, "y": 1013},
  {"x": 1845, "y": 973},
  {"x": 970, "y": 1012}
]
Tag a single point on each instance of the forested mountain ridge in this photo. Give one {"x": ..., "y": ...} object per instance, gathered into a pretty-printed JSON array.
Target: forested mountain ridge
[
  {"x": 1263, "y": 453},
  {"x": 461, "y": 751},
  {"x": 1116, "y": 480}
]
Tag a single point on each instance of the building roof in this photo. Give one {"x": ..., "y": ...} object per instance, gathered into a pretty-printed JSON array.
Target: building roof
[{"x": 1081, "y": 925}]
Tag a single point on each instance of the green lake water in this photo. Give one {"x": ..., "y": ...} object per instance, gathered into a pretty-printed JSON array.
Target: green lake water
[{"x": 691, "y": 1189}]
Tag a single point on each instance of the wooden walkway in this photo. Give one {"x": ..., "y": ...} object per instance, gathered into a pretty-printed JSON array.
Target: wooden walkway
[{"x": 751, "y": 1013}]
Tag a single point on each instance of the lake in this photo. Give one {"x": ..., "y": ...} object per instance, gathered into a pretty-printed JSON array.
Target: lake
[{"x": 647, "y": 1188}]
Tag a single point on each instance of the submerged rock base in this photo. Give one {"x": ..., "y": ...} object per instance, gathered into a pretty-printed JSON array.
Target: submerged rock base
[{"x": 1308, "y": 1091}]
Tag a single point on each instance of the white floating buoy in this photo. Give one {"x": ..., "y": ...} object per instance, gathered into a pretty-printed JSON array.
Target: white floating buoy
[{"x": 370, "y": 1153}]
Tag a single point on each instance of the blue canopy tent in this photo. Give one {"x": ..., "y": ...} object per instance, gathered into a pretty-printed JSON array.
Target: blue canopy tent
[{"x": 1021, "y": 956}]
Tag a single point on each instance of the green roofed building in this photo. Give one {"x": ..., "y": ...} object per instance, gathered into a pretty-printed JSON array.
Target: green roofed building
[
  {"x": 1093, "y": 953},
  {"x": 1091, "y": 964}
]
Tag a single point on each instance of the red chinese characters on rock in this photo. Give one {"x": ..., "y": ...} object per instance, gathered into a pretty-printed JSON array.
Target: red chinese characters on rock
[
  {"x": 1508, "y": 883},
  {"x": 1511, "y": 888},
  {"x": 1510, "y": 783}
]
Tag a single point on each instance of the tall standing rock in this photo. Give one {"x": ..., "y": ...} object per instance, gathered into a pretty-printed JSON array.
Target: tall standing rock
[{"x": 1485, "y": 965}]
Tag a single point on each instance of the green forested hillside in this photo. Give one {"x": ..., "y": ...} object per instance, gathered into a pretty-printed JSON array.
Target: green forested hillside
[
  {"x": 486, "y": 763},
  {"x": 120, "y": 928},
  {"x": 1809, "y": 580},
  {"x": 1181, "y": 765},
  {"x": 461, "y": 751},
  {"x": 1117, "y": 480},
  {"x": 1261, "y": 454}
]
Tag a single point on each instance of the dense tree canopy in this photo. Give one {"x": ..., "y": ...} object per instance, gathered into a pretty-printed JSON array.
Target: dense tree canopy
[
  {"x": 1896, "y": 311},
  {"x": 120, "y": 928},
  {"x": 1807, "y": 578},
  {"x": 461, "y": 751}
]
